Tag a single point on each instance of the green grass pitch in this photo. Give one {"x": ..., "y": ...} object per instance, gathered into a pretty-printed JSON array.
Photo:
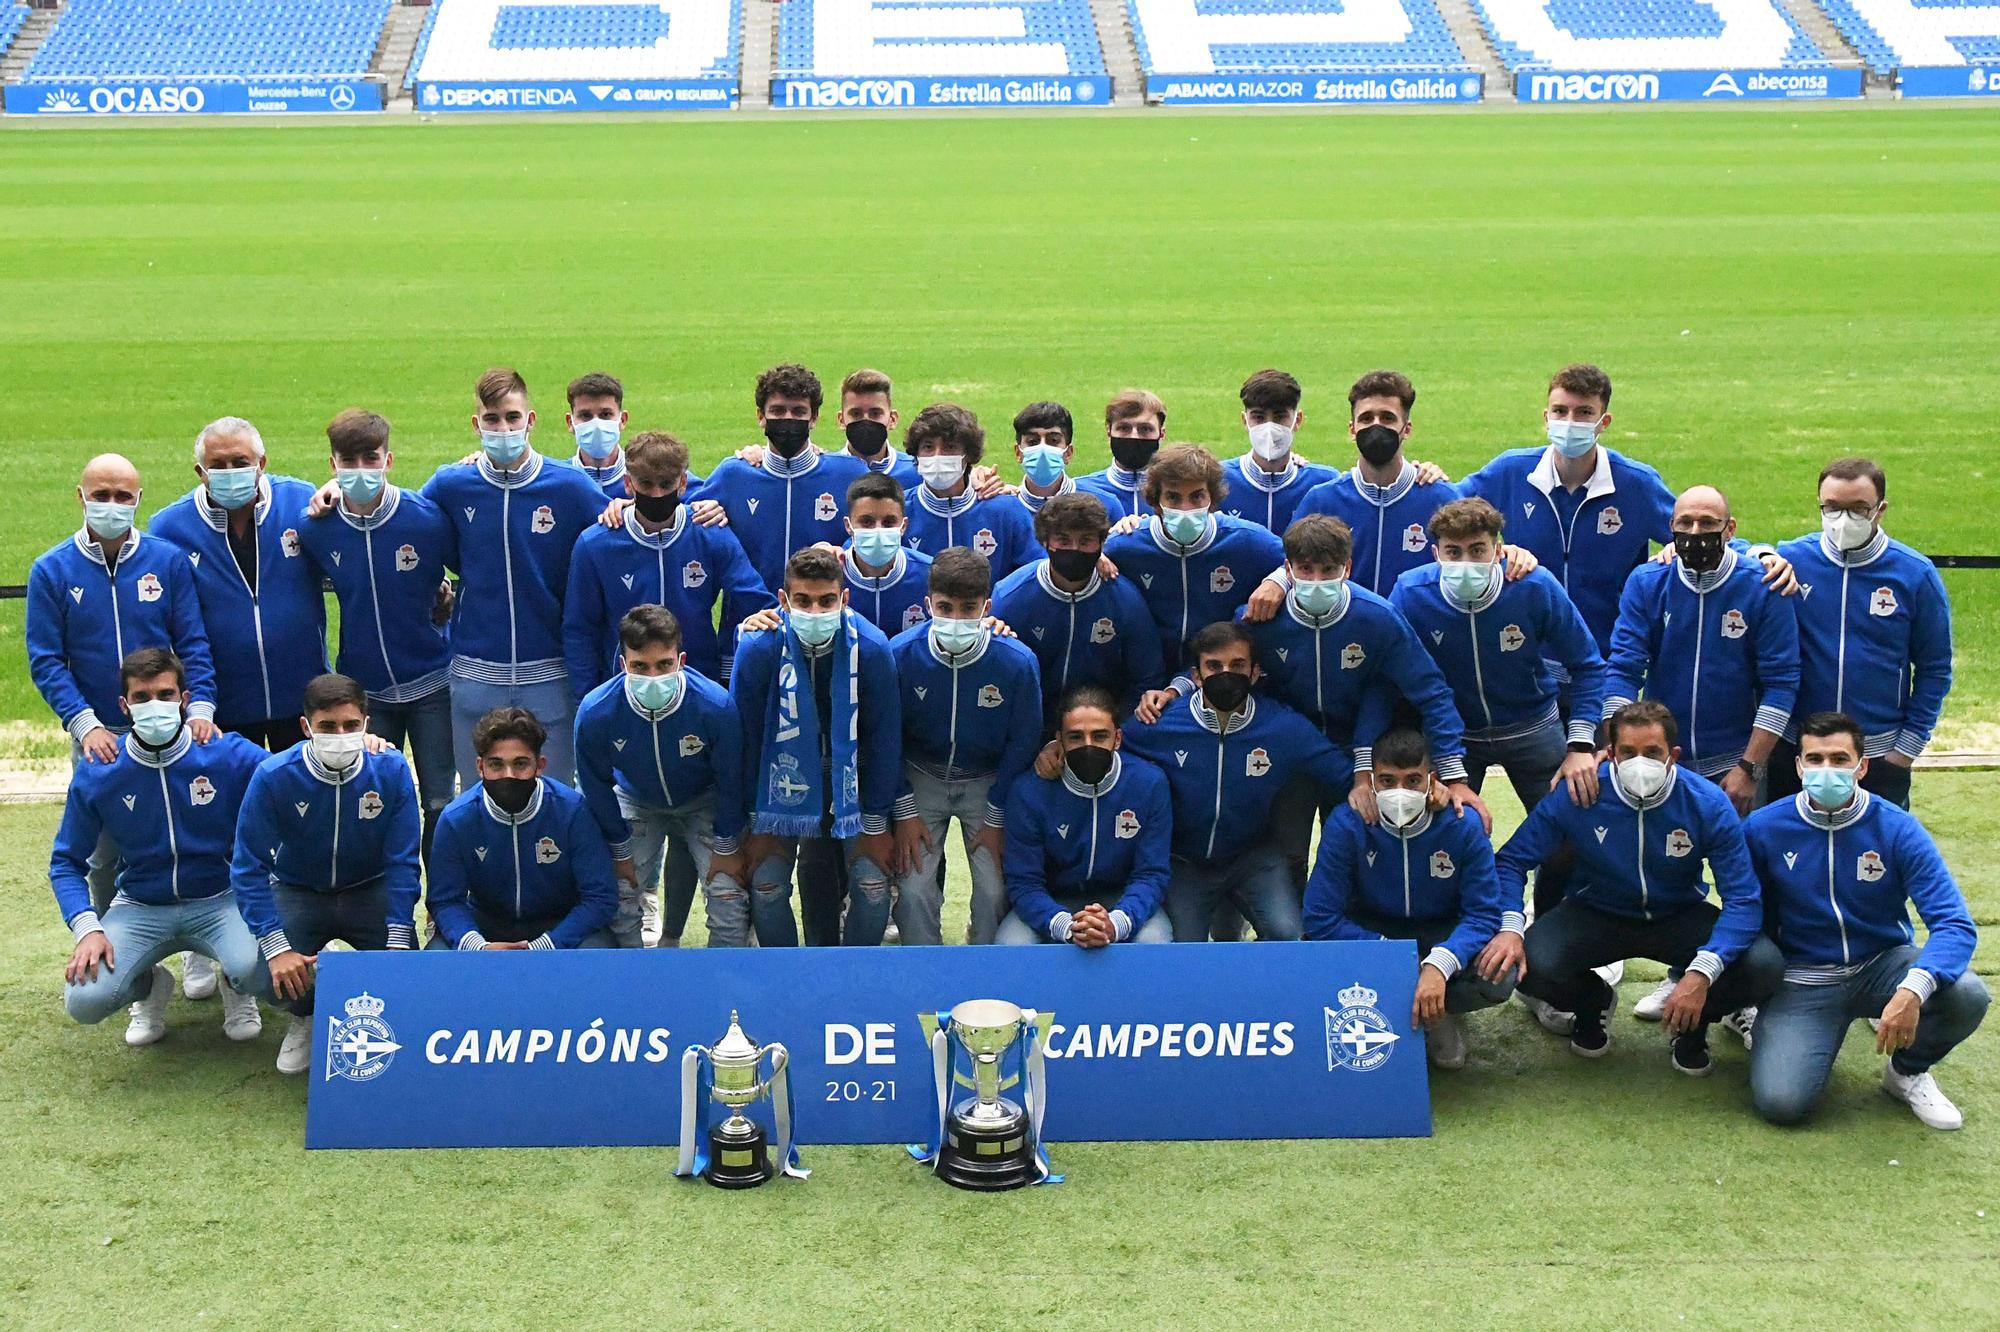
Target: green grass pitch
[{"x": 1768, "y": 289}]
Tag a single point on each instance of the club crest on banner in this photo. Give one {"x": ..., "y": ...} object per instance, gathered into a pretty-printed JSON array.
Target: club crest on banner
[
  {"x": 1358, "y": 1037},
  {"x": 360, "y": 1046}
]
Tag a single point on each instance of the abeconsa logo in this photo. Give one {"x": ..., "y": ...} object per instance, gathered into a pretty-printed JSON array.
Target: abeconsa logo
[
  {"x": 127, "y": 101},
  {"x": 1593, "y": 87},
  {"x": 850, "y": 92}
]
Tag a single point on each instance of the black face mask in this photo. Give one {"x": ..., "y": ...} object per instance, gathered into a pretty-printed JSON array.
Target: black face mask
[
  {"x": 511, "y": 794},
  {"x": 867, "y": 439},
  {"x": 656, "y": 508},
  {"x": 788, "y": 437},
  {"x": 1133, "y": 454},
  {"x": 1226, "y": 690},
  {"x": 1089, "y": 764},
  {"x": 1378, "y": 443},
  {"x": 1699, "y": 551},
  {"x": 1072, "y": 566}
]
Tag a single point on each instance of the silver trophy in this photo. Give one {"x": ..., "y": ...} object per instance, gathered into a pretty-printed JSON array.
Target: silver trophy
[
  {"x": 739, "y": 1153},
  {"x": 988, "y": 1142}
]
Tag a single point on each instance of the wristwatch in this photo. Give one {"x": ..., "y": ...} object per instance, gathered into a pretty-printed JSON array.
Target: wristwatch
[{"x": 1755, "y": 770}]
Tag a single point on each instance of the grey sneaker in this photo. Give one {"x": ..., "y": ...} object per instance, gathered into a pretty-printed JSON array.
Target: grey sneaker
[{"x": 1445, "y": 1040}]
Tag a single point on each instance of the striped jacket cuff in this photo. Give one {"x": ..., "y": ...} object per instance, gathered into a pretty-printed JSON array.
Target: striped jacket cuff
[
  {"x": 274, "y": 943},
  {"x": 1443, "y": 959},
  {"x": 1911, "y": 743},
  {"x": 1708, "y": 964},
  {"x": 541, "y": 943},
  {"x": 1582, "y": 731},
  {"x": 1059, "y": 927},
  {"x": 904, "y": 808},
  {"x": 1773, "y": 720},
  {"x": 1121, "y": 926},
  {"x": 622, "y": 850},
  {"x": 471, "y": 941},
  {"x": 1364, "y": 758},
  {"x": 996, "y": 817},
  {"x": 726, "y": 846},
  {"x": 874, "y": 824},
  {"x": 1513, "y": 922},
  {"x": 201, "y": 710},
  {"x": 83, "y": 724},
  {"x": 1182, "y": 685},
  {"x": 83, "y": 923},
  {"x": 1920, "y": 983},
  {"x": 1611, "y": 704},
  {"x": 1450, "y": 768},
  {"x": 402, "y": 936}
]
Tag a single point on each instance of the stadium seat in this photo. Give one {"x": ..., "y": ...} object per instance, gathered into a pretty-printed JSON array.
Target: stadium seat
[
  {"x": 209, "y": 39},
  {"x": 1893, "y": 33},
  {"x": 534, "y": 41},
  {"x": 877, "y": 38},
  {"x": 1646, "y": 34},
  {"x": 11, "y": 19},
  {"x": 1291, "y": 36}
]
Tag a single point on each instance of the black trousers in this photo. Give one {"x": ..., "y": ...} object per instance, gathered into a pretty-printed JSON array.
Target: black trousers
[
  {"x": 276, "y": 735},
  {"x": 1890, "y": 781},
  {"x": 1571, "y": 938}
]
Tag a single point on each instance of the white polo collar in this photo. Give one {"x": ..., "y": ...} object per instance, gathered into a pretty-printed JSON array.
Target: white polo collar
[{"x": 1545, "y": 479}]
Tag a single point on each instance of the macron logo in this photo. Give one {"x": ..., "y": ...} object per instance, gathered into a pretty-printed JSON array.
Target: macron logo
[
  {"x": 1527, "y": 510},
  {"x": 627, "y": 580},
  {"x": 1791, "y": 859},
  {"x": 1600, "y": 830},
  {"x": 753, "y": 506},
  {"x": 469, "y": 511},
  {"x": 1437, "y": 635},
  {"x": 1062, "y": 830},
  {"x": 302, "y": 807},
  {"x": 76, "y": 595},
  {"x": 1180, "y": 757},
  {"x": 922, "y": 692},
  {"x": 619, "y": 745},
  {"x": 479, "y": 851},
  {"x": 129, "y": 802}
]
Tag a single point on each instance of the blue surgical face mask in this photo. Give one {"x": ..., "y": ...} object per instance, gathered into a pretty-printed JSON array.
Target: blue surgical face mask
[
  {"x": 157, "y": 721},
  {"x": 876, "y": 547},
  {"x": 597, "y": 440},
  {"x": 815, "y": 628},
  {"x": 1573, "y": 439},
  {"x": 232, "y": 487},
  {"x": 654, "y": 693},
  {"x": 360, "y": 484},
  {"x": 1317, "y": 596},
  {"x": 1466, "y": 580},
  {"x": 1830, "y": 788},
  {"x": 954, "y": 637},
  {"x": 504, "y": 448},
  {"x": 1185, "y": 525},
  {"x": 108, "y": 520},
  {"x": 1043, "y": 463}
]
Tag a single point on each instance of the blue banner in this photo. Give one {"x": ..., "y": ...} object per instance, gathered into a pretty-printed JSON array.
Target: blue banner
[
  {"x": 1685, "y": 85},
  {"x": 188, "y": 97},
  {"x": 1276, "y": 89},
  {"x": 796, "y": 93},
  {"x": 1949, "y": 81},
  {"x": 583, "y": 1049},
  {"x": 597, "y": 95}
]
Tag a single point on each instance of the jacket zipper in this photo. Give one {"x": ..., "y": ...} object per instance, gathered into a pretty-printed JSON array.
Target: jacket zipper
[
  {"x": 513, "y": 632},
  {"x": 173, "y": 841},
  {"x": 1694, "y": 687},
  {"x": 375, "y": 595},
  {"x": 1478, "y": 674},
  {"x": 1215, "y": 821},
  {"x": 659, "y": 764},
  {"x": 256, "y": 602},
  {"x": 1838, "y": 919},
  {"x": 1645, "y": 896}
]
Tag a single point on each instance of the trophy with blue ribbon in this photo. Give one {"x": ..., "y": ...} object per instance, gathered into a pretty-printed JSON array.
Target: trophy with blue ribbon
[
  {"x": 736, "y": 1153},
  {"x": 987, "y": 1141}
]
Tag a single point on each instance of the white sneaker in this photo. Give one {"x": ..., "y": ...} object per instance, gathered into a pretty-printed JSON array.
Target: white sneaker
[
  {"x": 1611, "y": 973},
  {"x": 1553, "y": 1020},
  {"x": 240, "y": 1019},
  {"x": 1445, "y": 1039},
  {"x": 1741, "y": 1023},
  {"x": 1654, "y": 1006},
  {"x": 1920, "y": 1092},
  {"x": 295, "y": 1055},
  {"x": 198, "y": 976},
  {"x": 649, "y": 919},
  {"x": 149, "y": 1015}
]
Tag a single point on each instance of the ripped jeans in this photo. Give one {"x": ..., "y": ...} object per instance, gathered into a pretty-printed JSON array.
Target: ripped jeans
[
  {"x": 691, "y": 825},
  {"x": 868, "y": 897}
]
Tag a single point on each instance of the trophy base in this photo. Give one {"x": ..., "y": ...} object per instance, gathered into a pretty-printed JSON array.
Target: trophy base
[
  {"x": 988, "y": 1156},
  {"x": 738, "y": 1163}
]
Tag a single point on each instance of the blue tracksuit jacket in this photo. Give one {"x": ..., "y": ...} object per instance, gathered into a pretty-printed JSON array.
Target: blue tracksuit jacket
[
  {"x": 547, "y": 863},
  {"x": 782, "y": 507},
  {"x": 1391, "y": 524},
  {"x": 1103, "y": 635},
  {"x": 1271, "y": 499},
  {"x": 977, "y": 717},
  {"x": 1191, "y": 587},
  {"x": 998, "y": 528},
  {"x": 693, "y": 749},
  {"x": 1441, "y": 868},
  {"x": 895, "y": 601},
  {"x": 385, "y": 568},
  {"x": 1123, "y": 492},
  {"x": 1069, "y": 845}
]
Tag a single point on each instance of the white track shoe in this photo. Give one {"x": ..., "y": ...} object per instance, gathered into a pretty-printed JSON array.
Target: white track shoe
[
  {"x": 295, "y": 1054},
  {"x": 149, "y": 1015},
  {"x": 198, "y": 976},
  {"x": 240, "y": 1019},
  {"x": 1920, "y": 1092},
  {"x": 1654, "y": 1006}
]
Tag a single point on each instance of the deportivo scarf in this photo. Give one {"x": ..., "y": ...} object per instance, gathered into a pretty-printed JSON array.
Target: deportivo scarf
[{"x": 791, "y": 799}]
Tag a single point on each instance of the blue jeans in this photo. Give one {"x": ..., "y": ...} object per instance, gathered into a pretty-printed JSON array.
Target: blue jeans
[
  {"x": 693, "y": 826},
  {"x": 422, "y": 729},
  {"x": 1801, "y": 1027},
  {"x": 552, "y": 703},
  {"x": 1258, "y": 883},
  {"x": 359, "y": 917},
  {"x": 143, "y": 935},
  {"x": 1014, "y": 930},
  {"x": 771, "y": 897},
  {"x": 1466, "y": 991},
  {"x": 920, "y": 894}
]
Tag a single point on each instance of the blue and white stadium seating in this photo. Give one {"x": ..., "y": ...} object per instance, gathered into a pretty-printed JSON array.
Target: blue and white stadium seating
[
  {"x": 1290, "y": 36},
  {"x": 554, "y": 41},
  {"x": 1646, "y": 34},
  {"x": 1894, "y": 33},
  {"x": 209, "y": 39},
  {"x": 837, "y": 39},
  {"x": 11, "y": 19}
]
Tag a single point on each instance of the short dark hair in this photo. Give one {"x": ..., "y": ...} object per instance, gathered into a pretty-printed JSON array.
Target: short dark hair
[
  {"x": 1584, "y": 380},
  {"x": 596, "y": 384},
  {"x": 1215, "y": 637},
  {"x": 1270, "y": 391},
  {"x": 1044, "y": 416},
  {"x": 1087, "y": 696},
  {"x": 876, "y": 486},
  {"x": 1131, "y": 402},
  {"x": 1077, "y": 514},
  {"x": 865, "y": 381},
  {"x": 145, "y": 663},
  {"x": 959, "y": 571},
  {"x": 497, "y": 383},
  {"x": 644, "y": 625},
  {"x": 1645, "y": 712},
  {"x": 1463, "y": 519},
  {"x": 790, "y": 380},
  {"x": 355, "y": 432},
  {"x": 1822, "y": 724},
  {"x": 656, "y": 457},
  {"x": 946, "y": 423},
  {"x": 508, "y": 723},
  {"x": 812, "y": 565},
  {"x": 1383, "y": 384},
  {"x": 1319, "y": 538},
  {"x": 327, "y": 692},
  {"x": 1403, "y": 747},
  {"x": 1855, "y": 469}
]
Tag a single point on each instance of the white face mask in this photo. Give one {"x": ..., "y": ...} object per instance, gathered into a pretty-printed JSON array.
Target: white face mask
[
  {"x": 337, "y": 751},
  {"x": 1399, "y": 807},
  {"x": 1847, "y": 531},
  {"x": 1270, "y": 441},
  {"x": 941, "y": 471},
  {"x": 1642, "y": 777}
]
